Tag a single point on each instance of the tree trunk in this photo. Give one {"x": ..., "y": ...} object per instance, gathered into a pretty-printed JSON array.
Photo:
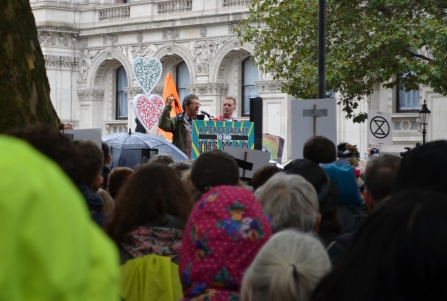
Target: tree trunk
[{"x": 24, "y": 87}]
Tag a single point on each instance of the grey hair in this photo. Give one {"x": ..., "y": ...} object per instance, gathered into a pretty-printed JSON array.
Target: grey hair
[
  {"x": 290, "y": 201},
  {"x": 288, "y": 267},
  {"x": 232, "y": 98}
]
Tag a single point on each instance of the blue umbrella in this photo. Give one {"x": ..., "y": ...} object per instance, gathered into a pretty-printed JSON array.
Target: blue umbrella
[{"x": 126, "y": 148}]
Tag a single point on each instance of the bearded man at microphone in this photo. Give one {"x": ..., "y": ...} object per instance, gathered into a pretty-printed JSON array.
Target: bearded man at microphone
[{"x": 181, "y": 125}]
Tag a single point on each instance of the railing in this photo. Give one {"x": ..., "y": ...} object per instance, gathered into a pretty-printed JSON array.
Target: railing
[
  {"x": 116, "y": 126},
  {"x": 114, "y": 13},
  {"x": 229, "y": 3},
  {"x": 177, "y": 6}
]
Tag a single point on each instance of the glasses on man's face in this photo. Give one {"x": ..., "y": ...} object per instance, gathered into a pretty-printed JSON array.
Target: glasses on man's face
[{"x": 196, "y": 104}]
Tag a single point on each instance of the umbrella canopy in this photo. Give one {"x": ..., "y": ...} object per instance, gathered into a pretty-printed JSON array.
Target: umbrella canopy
[{"x": 127, "y": 149}]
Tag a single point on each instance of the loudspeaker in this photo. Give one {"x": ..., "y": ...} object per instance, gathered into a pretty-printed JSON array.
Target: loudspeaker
[{"x": 256, "y": 117}]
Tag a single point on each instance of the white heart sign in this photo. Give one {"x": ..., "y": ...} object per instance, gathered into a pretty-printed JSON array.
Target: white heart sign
[
  {"x": 147, "y": 72},
  {"x": 148, "y": 109}
]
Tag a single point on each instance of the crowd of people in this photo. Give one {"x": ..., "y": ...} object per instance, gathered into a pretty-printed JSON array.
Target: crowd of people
[{"x": 319, "y": 229}]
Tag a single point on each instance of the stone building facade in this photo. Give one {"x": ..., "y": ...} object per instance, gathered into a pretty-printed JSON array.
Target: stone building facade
[{"x": 89, "y": 46}]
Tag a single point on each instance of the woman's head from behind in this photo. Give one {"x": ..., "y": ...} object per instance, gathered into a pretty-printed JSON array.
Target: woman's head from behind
[
  {"x": 118, "y": 177},
  {"x": 397, "y": 254},
  {"x": 288, "y": 267},
  {"x": 291, "y": 202},
  {"x": 225, "y": 230},
  {"x": 152, "y": 192}
]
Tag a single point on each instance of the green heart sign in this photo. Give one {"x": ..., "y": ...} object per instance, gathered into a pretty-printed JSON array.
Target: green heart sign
[{"x": 147, "y": 72}]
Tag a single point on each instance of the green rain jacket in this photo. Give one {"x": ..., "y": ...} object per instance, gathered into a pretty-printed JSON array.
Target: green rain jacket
[
  {"x": 51, "y": 249},
  {"x": 151, "y": 278},
  {"x": 175, "y": 125}
]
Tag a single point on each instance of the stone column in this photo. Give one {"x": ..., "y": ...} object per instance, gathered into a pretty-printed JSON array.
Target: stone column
[{"x": 91, "y": 108}]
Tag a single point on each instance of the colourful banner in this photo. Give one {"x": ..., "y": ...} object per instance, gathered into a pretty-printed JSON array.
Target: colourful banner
[
  {"x": 274, "y": 145},
  {"x": 208, "y": 135}
]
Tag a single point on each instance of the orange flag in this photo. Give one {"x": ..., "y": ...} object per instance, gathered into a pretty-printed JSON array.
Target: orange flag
[{"x": 169, "y": 89}]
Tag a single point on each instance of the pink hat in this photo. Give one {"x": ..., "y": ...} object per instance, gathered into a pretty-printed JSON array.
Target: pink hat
[{"x": 225, "y": 231}]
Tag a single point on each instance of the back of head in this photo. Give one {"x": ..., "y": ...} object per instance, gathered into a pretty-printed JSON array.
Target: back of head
[
  {"x": 263, "y": 174},
  {"x": 51, "y": 250},
  {"x": 288, "y": 267},
  {"x": 328, "y": 195},
  {"x": 180, "y": 167},
  {"x": 424, "y": 168},
  {"x": 214, "y": 168},
  {"x": 105, "y": 151},
  {"x": 109, "y": 204},
  {"x": 162, "y": 159},
  {"x": 316, "y": 176},
  {"x": 380, "y": 175},
  {"x": 153, "y": 191},
  {"x": 403, "y": 240},
  {"x": 225, "y": 231},
  {"x": 117, "y": 178},
  {"x": 319, "y": 149},
  {"x": 92, "y": 162},
  {"x": 55, "y": 146},
  {"x": 290, "y": 201}
]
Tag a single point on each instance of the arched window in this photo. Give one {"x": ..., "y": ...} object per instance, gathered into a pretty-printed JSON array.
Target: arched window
[
  {"x": 121, "y": 97},
  {"x": 250, "y": 74},
  {"x": 182, "y": 80},
  {"x": 407, "y": 101}
]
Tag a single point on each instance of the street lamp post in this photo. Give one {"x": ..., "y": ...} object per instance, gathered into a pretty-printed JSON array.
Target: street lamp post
[{"x": 424, "y": 116}]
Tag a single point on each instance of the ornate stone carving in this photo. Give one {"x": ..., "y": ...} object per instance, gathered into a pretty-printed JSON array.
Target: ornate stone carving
[
  {"x": 86, "y": 63},
  {"x": 170, "y": 34},
  {"x": 52, "y": 61},
  {"x": 53, "y": 40},
  {"x": 43, "y": 38},
  {"x": 133, "y": 91},
  {"x": 268, "y": 86},
  {"x": 211, "y": 88},
  {"x": 84, "y": 43},
  {"x": 91, "y": 94},
  {"x": 67, "y": 61},
  {"x": 158, "y": 90},
  {"x": 202, "y": 56},
  {"x": 143, "y": 51},
  {"x": 202, "y": 31},
  {"x": 203, "y": 53},
  {"x": 110, "y": 40},
  {"x": 230, "y": 28},
  {"x": 139, "y": 37},
  {"x": 63, "y": 40},
  {"x": 169, "y": 46}
]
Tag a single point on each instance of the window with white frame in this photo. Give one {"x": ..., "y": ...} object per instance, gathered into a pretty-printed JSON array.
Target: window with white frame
[
  {"x": 250, "y": 74},
  {"x": 121, "y": 97},
  {"x": 407, "y": 101},
  {"x": 182, "y": 80}
]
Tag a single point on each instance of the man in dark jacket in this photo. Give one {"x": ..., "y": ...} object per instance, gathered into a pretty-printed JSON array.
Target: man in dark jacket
[{"x": 181, "y": 125}]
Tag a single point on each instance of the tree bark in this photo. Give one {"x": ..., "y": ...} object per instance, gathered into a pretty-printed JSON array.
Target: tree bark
[{"x": 24, "y": 87}]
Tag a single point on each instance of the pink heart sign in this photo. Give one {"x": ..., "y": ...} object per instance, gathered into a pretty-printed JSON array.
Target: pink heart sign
[{"x": 148, "y": 109}]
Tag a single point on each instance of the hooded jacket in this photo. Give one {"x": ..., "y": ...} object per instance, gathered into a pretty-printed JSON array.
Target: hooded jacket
[{"x": 51, "y": 250}]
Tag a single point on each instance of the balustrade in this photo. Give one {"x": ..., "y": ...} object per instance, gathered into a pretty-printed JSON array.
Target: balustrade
[
  {"x": 114, "y": 13},
  {"x": 176, "y": 6}
]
